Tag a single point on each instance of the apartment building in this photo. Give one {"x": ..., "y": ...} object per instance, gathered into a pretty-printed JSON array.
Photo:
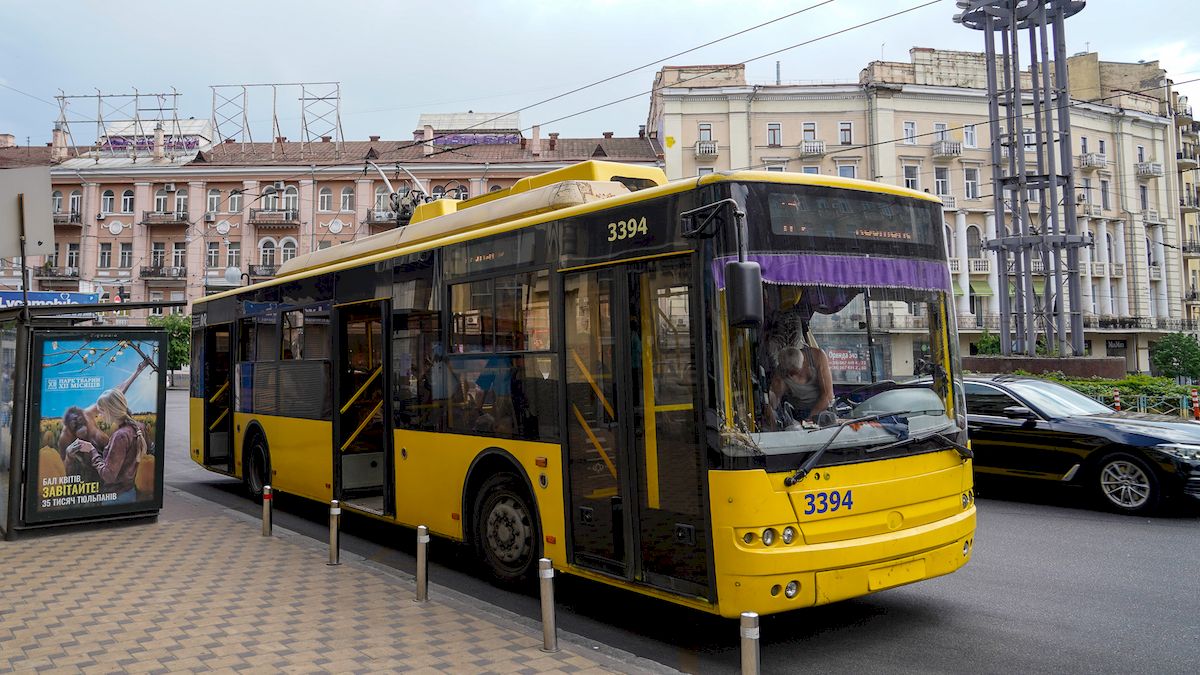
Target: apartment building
[
  {"x": 924, "y": 125},
  {"x": 164, "y": 215}
]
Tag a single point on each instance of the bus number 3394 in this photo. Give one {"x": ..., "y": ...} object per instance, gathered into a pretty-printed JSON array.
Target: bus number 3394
[
  {"x": 627, "y": 229},
  {"x": 821, "y": 502}
]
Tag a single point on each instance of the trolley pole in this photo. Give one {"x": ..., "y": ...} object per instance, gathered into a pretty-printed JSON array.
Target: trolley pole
[
  {"x": 267, "y": 507},
  {"x": 549, "y": 628},
  {"x": 422, "y": 563},
  {"x": 335, "y": 521},
  {"x": 750, "y": 659}
]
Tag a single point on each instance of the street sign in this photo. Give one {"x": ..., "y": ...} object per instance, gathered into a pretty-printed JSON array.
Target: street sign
[{"x": 36, "y": 298}]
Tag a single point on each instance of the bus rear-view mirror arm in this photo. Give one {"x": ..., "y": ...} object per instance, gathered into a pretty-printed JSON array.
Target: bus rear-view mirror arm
[{"x": 743, "y": 278}]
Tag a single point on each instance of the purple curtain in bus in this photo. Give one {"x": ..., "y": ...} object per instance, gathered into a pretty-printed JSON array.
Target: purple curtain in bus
[{"x": 841, "y": 271}]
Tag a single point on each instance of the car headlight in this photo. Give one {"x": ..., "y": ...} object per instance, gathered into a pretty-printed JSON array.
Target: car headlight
[{"x": 1180, "y": 450}]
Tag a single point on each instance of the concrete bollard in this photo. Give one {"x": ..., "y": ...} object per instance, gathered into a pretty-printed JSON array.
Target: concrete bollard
[
  {"x": 335, "y": 523},
  {"x": 422, "y": 563},
  {"x": 267, "y": 515},
  {"x": 549, "y": 627},
  {"x": 750, "y": 659}
]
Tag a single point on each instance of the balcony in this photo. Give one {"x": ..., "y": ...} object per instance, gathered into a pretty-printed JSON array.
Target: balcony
[
  {"x": 1090, "y": 161},
  {"x": 706, "y": 149},
  {"x": 1091, "y": 210},
  {"x": 1192, "y": 296},
  {"x": 1099, "y": 269},
  {"x": 1183, "y": 114},
  {"x": 1036, "y": 266},
  {"x": 1152, "y": 217},
  {"x": 979, "y": 265},
  {"x": 1156, "y": 273},
  {"x": 48, "y": 272},
  {"x": 161, "y": 272},
  {"x": 1117, "y": 269},
  {"x": 164, "y": 217},
  {"x": 947, "y": 149},
  {"x": 73, "y": 218},
  {"x": 949, "y": 202},
  {"x": 812, "y": 148},
  {"x": 955, "y": 265},
  {"x": 1189, "y": 203},
  {"x": 1148, "y": 169},
  {"x": 275, "y": 217},
  {"x": 261, "y": 271},
  {"x": 1187, "y": 158},
  {"x": 1191, "y": 249}
]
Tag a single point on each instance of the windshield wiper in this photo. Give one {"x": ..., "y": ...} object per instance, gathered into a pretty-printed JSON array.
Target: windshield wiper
[
  {"x": 816, "y": 455},
  {"x": 963, "y": 451}
]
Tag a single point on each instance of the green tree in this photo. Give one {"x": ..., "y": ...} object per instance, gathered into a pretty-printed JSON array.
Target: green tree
[
  {"x": 987, "y": 344},
  {"x": 1176, "y": 355},
  {"x": 179, "y": 334}
]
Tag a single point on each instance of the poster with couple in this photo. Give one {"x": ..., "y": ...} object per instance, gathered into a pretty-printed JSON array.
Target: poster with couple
[{"x": 95, "y": 432}]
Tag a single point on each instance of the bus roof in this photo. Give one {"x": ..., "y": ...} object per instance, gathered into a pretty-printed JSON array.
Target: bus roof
[{"x": 568, "y": 191}]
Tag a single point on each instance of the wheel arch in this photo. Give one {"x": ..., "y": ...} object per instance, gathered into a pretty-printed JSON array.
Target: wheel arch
[
  {"x": 253, "y": 429},
  {"x": 486, "y": 464},
  {"x": 1092, "y": 463}
]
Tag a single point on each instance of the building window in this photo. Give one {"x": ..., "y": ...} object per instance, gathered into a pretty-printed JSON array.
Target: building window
[
  {"x": 912, "y": 177},
  {"x": 156, "y": 296},
  {"x": 774, "y": 134},
  {"x": 108, "y": 202},
  {"x": 1085, "y": 184},
  {"x": 127, "y": 201},
  {"x": 1100, "y": 144},
  {"x": 54, "y": 260},
  {"x": 810, "y": 131},
  {"x": 940, "y": 132},
  {"x": 974, "y": 245},
  {"x": 1144, "y": 197},
  {"x": 127, "y": 255},
  {"x": 214, "y": 254},
  {"x": 291, "y": 198},
  {"x": 270, "y": 198},
  {"x": 75, "y": 201},
  {"x": 1104, "y": 194},
  {"x": 811, "y": 169},
  {"x": 325, "y": 199},
  {"x": 776, "y": 167},
  {"x": 178, "y": 296},
  {"x": 1029, "y": 140},
  {"x": 910, "y": 133},
  {"x": 181, "y": 201},
  {"x": 845, "y": 133},
  {"x": 233, "y": 254},
  {"x": 1083, "y": 147},
  {"x": 160, "y": 201},
  {"x": 941, "y": 181},
  {"x": 703, "y": 170},
  {"x": 847, "y": 171},
  {"x": 179, "y": 254},
  {"x": 235, "y": 201},
  {"x": 705, "y": 131},
  {"x": 266, "y": 252},
  {"x": 970, "y": 140},
  {"x": 56, "y": 201},
  {"x": 1141, "y": 153},
  {"x": 158, "y": 254},
  {"x": 971, "y": 181},
  {"x": 214, "y": 201},
  {"x": 347, "y": 199},
  {"x": 381, "y": 198},
  {"x": 287, "y": 250},
  {"x": 72, "y": 255},
  {"x": 105, "y": 256}
]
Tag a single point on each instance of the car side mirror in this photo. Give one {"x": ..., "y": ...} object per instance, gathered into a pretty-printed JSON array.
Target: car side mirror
[{"x": 1019, "y": 412}]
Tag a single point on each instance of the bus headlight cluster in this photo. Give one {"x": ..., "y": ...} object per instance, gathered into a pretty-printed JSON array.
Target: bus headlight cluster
[
  {"x": 768, "y": 536},
  {"x": 968, "y": 498},
  {"x": 771, "y": 536},
  {"x": 789, "y": 534}
]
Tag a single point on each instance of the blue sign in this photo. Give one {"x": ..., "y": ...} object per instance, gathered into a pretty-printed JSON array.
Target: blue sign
[{"x": 14, "y": 299}]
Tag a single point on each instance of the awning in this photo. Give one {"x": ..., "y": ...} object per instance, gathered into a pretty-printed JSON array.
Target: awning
[
  {"x": 981, "y": 288},
  {"x": 957, "y": 289}
]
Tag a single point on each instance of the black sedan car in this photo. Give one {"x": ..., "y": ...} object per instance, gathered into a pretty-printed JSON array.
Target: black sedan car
[{"x": 1030, "y": 428}]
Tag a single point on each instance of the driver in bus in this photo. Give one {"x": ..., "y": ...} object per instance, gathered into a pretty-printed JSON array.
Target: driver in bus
[{"x": 801, "y": 385}]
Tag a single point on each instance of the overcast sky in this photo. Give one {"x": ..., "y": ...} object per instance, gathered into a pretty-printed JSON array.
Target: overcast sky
[{"x": 396, "y": 60}]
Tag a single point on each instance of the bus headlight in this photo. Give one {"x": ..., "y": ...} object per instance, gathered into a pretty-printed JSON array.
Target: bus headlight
[
  {"x": 748, "y": 537},
  {"x": 789, "y": 534},
  {"x": 792, "y": 588},
  {"x": 768, "y": 536}
]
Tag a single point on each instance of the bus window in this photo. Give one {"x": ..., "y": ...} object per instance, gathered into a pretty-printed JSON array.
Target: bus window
[
  {"x": 316, "y": 332},
  {"x": 505, "y": 314},
  {"x": 266, "y": 338},
  {"x": 292, "y": 346}
]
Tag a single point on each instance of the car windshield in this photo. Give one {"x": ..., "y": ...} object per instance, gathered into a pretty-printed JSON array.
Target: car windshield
[
  {"x": 825, "y": 355},
  {"x": 1056, "y": 400}
]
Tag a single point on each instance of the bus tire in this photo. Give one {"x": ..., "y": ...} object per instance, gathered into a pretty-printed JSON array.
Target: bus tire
[
  {"x": 256, "y": 466},
  {"x": 506, "y": 529}
]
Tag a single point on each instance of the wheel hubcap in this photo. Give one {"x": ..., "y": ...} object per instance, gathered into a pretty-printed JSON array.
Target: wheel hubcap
[
  {"x": 508, "y": 531},
  {"x": 1125, "y": 484}
]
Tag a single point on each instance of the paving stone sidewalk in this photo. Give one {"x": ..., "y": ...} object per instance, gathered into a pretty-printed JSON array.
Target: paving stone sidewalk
[{"x": 202, "y": 590}]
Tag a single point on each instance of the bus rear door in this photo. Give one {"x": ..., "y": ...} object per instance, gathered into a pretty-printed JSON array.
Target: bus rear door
[
  {"x": 361, "y": 414},
  {"x": 218, "y": 398}
]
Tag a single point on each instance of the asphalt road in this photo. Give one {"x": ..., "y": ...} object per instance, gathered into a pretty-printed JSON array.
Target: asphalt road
[{"x": 1053, "y": 587}]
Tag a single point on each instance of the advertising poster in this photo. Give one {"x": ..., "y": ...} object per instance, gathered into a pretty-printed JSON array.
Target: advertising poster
[{"x": 95, "y": 434}]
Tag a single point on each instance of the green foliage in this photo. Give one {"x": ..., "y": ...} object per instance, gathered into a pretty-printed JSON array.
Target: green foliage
[
  {"x": 987, "y": 344},
  {"x": 1176, "y": 355},
  {"x": 179, "y": 331},
  {"x": 1130, "y": 386}
]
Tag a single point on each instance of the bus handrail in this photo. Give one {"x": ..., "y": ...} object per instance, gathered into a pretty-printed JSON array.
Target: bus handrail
[
  {"x": 219, "y": 418},
  {"x": 219, "y": 392},
  {"x": 360, "y": 391},
  {"x": 612, "y": 468},
  {"x": 362, "y": 426},
  {"x": 592, "y": 382}
]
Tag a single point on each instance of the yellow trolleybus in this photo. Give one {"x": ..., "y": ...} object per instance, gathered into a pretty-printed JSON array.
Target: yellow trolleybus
[{"x": 737, "y": 392}]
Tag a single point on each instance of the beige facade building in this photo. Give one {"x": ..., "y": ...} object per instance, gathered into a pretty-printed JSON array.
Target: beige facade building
[
  {"x": 167, "y": 221},
  {"x": 924, "y": 125}
]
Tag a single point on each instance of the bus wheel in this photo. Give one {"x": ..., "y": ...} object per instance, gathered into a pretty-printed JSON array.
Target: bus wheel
[
  {"x": 257, "y": 469},
  {"x": 506, "y": 530}
]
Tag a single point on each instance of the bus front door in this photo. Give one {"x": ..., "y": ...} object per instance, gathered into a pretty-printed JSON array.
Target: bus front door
[
  {"x": 362, "y": 457},
  {"x": 635, "y": 463},
  {"x": 218, "y": 398}
]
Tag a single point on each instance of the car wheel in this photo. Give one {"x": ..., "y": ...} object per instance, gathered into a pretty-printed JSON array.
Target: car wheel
[
  {"x": 257, "y": 468},
  {"x": 1127, "y": 484},
  {"x": 506, "y": 529}
]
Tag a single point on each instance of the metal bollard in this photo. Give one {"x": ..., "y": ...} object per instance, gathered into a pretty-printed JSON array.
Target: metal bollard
[
  {"x": 422, "y": 563},
  {"x": 267, "y": 506},
  {"x": 546, "y": 581},
  {"x": 335, "y": 519},
  {"x": 750, "y": 661}
]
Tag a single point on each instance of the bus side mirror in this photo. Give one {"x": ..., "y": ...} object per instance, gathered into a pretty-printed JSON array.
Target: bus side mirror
[{"x": 744, "y": 294}]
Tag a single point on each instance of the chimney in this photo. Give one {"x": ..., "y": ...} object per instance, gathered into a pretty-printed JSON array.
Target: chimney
[
  {"x": 373, "y": 139},
  {"x": 326, "y": 139},
  {"x": 553, "y": 139},
  {"x": 427, "y": 136},
  {"x": 281, "y": 139},
  {"x": 229, "y": 140},
  {"x": 58, "y": 144},
  {"x": 641, "y": 131},
  {"x": 535, "y": 141},
  {"x": 158, "y": 141},
  {"x": 608, "y": 134}
]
